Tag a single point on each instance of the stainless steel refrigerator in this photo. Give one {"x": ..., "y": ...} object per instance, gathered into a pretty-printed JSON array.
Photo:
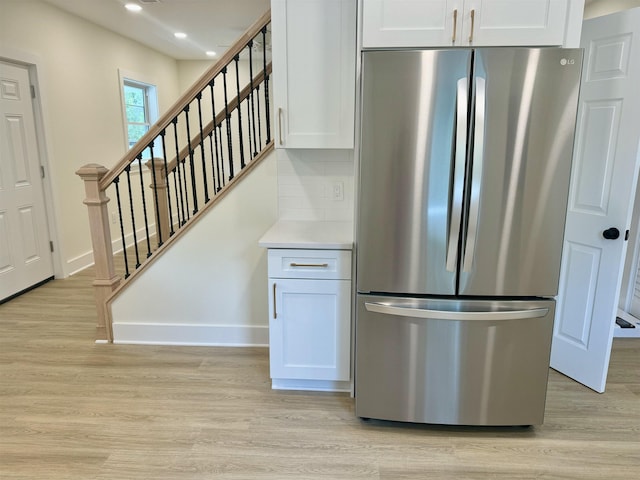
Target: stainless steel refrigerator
[{"x": 464, "y": 174}]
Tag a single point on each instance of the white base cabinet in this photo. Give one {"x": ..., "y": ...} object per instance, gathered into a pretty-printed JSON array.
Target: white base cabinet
[{"x": 309, "y": 325}]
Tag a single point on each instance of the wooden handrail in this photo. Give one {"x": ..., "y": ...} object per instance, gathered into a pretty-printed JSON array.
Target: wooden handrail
[
  {"x": 219, "y": 196},
  {"x": 219, "y": 118},
  {"x": 184, "y": 100}
]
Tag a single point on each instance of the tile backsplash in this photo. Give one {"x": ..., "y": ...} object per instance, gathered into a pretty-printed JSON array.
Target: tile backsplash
[{"x": 311, "y": 183}]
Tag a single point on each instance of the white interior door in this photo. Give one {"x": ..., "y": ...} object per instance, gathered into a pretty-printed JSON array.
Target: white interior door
[
  {"x": 25, "y": 256},
  {"x": 603, "y": 182}
]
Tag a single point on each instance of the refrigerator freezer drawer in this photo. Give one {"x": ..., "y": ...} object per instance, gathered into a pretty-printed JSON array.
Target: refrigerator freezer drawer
[{"x": 475, "y": 363}]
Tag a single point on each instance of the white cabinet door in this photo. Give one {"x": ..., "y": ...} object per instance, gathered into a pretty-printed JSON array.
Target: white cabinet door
[
  {"x": 425, "y": 23},
  {"x": 309, "y": 329},
  {"x": 410, "y": 23},
  {"x": 314, "y": 72},
  {"x": 513, "y": 22}
]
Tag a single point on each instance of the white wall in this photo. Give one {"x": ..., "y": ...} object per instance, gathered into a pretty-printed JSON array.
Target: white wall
[
  {"x": 597, "y": 8},
  {"x": 190, "y": 70},
  {"x": 77, "y": 67},
  {"x": 210, "y": 288}
]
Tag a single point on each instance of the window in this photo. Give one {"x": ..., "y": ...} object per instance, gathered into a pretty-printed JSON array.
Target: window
[
  {"x": 136, "y": 106},
  {"x": 139, "y": 108}
]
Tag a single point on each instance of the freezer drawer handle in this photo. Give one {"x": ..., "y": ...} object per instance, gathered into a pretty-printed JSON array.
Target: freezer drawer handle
[
  {"x": 451, "y": 315},
  {"x": 317, "y": 265}
]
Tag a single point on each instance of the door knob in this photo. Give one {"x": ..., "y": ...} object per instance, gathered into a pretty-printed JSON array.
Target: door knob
[{"x": 611, "y": 233}]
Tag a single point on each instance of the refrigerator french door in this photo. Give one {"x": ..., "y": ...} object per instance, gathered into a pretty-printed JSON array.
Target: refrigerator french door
[{"x": 464, "y": 171}]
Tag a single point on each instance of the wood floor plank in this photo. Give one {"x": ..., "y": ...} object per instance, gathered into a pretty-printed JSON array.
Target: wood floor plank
[{"x": 72, "y": 409}]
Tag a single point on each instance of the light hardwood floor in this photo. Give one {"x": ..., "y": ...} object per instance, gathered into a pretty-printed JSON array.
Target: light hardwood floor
[{"x": 71, "y": 409}]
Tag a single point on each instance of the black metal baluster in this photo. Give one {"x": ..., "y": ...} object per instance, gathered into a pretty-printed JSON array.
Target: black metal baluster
[
  {"x": 181, "y": 219},
  {"x": 213, "y": 165},
  {"x": 224, "y": 181},
  {"x": 144, "y": 206},
  {"x": 241, "y": 140},
  {"x": 166, "y": 179},
  {"x": 266, "y": 81},
  {"x": 259, "y": 122},
  {"x": 228, "y": 120},
  {"x": 133, "y": 217},
  {"x": 204, "y": 166},
  {"x": 116, "y": 181},
  {"x": 215, "y": 131},
  {"x": 193, "y": 173},
  {"x": 186, "y": 191},
  {"x": 252, "y": 106},
  {"x": 155, "y": 196},
  {"x": 246, "y": 101}
]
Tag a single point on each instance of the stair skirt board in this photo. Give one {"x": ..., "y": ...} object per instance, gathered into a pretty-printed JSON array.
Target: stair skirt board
[{"x": 196, "y": 335}]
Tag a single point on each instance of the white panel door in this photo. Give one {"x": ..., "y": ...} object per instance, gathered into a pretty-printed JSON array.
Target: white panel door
[
  {"x": 604, "y": 178},
  {"x": 25, "y": 257}
]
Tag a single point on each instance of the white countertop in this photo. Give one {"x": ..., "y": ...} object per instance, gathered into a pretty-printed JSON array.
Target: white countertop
[{"x": 314, "y": 235}]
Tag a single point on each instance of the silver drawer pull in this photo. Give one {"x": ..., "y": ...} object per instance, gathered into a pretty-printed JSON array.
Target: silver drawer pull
[
  {"x": 275, "y": 311},
  {"x": 315, "y": 265}
]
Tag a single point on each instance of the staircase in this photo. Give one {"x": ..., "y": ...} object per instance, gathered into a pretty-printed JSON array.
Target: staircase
[{"x": 191, "y": 158}]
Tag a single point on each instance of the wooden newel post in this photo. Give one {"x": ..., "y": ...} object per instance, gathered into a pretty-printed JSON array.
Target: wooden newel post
[
  {"x": 159, "y": 185},
  {"x": 106, "y": 279}
]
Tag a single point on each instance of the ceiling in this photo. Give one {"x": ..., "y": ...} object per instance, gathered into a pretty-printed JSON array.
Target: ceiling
[{"x": 209, "y": 24}]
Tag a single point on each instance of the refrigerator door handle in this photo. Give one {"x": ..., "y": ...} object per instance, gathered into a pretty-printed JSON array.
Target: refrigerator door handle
[
  {"x": 462, "y": 101},
  {"x": 476, "y": 175},
  {"x": 455, "y": 315}
]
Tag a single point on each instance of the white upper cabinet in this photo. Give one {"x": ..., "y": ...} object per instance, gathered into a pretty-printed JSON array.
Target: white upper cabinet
[
  {"x": 464, "y": 23},
  {"x": 314, "y": 72}
]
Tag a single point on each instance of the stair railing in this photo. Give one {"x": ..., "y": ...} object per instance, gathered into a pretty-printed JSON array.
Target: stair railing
[{"x": 207, "y": 141}]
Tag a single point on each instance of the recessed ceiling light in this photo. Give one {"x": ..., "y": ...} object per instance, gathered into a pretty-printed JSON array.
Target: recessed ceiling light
[
  {"x": 133, "y": 7},
  {"x": 210, "y": 53},
  {"x": 180, "y": 35}
]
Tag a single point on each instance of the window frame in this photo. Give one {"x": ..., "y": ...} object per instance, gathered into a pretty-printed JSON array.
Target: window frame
[{"x": 150, "y": 100}]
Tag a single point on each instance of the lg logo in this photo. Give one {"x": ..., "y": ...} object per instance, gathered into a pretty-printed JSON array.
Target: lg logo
[{"x": 567, "y": 61}]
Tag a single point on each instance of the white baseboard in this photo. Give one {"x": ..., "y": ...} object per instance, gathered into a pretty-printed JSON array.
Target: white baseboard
[
  {"x": 79, "y": 263},
  {"x": 85, "y": 260},
  {"x": 189, "y": 334}
]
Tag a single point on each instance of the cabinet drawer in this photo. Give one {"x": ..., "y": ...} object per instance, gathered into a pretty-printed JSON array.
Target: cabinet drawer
[{"x": 319, "y": 264}]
